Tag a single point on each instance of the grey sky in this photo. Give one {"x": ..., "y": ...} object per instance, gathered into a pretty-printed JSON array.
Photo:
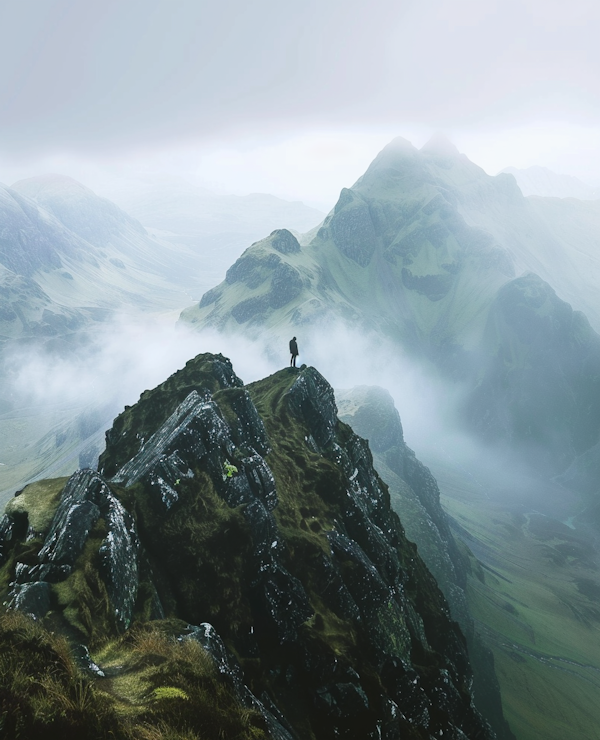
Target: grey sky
[{"x": 118, "y": 79}]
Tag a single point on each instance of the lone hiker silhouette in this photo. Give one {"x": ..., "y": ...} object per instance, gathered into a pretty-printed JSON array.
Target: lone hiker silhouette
[{"x": 294, "y": 351}]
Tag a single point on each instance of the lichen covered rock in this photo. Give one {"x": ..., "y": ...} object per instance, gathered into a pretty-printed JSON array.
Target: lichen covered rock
[{"x": 85, "y": 501}]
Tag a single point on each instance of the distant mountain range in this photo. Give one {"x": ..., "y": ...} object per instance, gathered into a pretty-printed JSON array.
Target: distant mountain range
[
  {"x": 542, "y": 181},
  {"x": 455, "y": 267},
  {"x": 176, "y": 205},
  {"x": 426, "y": 254},
  {"x": 68, "y": 256}
]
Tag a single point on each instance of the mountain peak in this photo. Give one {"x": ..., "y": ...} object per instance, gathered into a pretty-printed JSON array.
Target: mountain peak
[
  {"x": 399, "y": 143},
  {"x": 440, "y": 144}
]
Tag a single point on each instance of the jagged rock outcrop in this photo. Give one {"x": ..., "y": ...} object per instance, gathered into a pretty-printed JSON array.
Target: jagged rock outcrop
[
  {"x": 254, "y": 513},
  {"x": 85, "y": 499},
  {"x": 370, "y": 411},
  {"x": 415, "y": 497}
]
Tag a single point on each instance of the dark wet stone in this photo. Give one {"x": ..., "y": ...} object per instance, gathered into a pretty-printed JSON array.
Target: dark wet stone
[
  {"x": 31, "y": 598},
  {"x": 261, "y": 481},
  {"x": 180, "y": 431},
  {"x": 164, "y": 493},
  {"x": 210, "y": 640},
  {"x": 223, "y": 371},
  {"x": 119, "y": 560},
  {"x": 334, "y": 591},
  {"x": 357, "y": 463},
  {"x": 229, "y": 668},
  {"x": 341, "y": 700},
  {"x": 85, "y": 498},
  {"x": 165, "y": 476},
  {"x": 361, "y": 576},
  {"x": 446, "y": 698},
  {"x": 236, "y": 490},
  {"x": 75, "y": 516},
  {"x": 85, "y": 662},
  {"x": 266, "y": 540},
  {"x": 414, "y": 624},
  {"x": 6, "y": 535},
  {"x": 281, "y": 598},
  {"x": 84, "y": 486},
  {"x": 371, "y": 538},
  {"x": 390, "y": 724},
  {"x": 251, "y": 430},
  {"x": 403, "y": 685},
  {"x": 274, "y": 710},
  {"x": 311, "y": 399}
]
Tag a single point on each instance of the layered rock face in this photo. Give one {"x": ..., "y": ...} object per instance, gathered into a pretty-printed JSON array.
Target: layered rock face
[
  {"x": 256, "y": 517},
  {"x": 415, "y": 497}
]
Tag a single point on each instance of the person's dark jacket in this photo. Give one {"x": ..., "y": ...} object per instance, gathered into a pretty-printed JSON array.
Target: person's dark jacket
[{"x": 293, "y": 347}]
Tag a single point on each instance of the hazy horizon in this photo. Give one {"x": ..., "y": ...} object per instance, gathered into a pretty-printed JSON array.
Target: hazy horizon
[{"x": 293, "y": 101}]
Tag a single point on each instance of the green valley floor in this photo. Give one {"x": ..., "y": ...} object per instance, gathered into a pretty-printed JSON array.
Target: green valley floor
[{"x": 536, "y": 600}]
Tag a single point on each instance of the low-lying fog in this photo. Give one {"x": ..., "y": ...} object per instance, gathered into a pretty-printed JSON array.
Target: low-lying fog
[{"x": 93, "y": 384}]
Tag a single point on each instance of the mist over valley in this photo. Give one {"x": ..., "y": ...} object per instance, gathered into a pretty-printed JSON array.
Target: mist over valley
[{"x": 431, "y": 289}]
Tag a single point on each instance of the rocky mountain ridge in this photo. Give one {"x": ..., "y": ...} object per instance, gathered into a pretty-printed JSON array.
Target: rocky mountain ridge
[
  {"x": 415, "y": 497},
  {"x": 257, "y": 516}
]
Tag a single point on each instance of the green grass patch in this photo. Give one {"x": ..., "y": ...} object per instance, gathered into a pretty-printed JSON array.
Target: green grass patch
[{"x": 38, "y": 501}]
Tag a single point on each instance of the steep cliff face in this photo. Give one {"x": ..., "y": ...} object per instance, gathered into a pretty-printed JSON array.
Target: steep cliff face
[
  {"x": 251, "y": 524},
  {"x": 371, "y": 413},
  {"x": 415, "y": 497}
]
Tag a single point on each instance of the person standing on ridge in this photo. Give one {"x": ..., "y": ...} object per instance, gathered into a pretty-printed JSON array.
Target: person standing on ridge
[{"x": 294, "y": 351}]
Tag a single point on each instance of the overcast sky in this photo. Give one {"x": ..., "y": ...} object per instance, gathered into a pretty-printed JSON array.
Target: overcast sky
[{"x": 294, "y": 98}]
